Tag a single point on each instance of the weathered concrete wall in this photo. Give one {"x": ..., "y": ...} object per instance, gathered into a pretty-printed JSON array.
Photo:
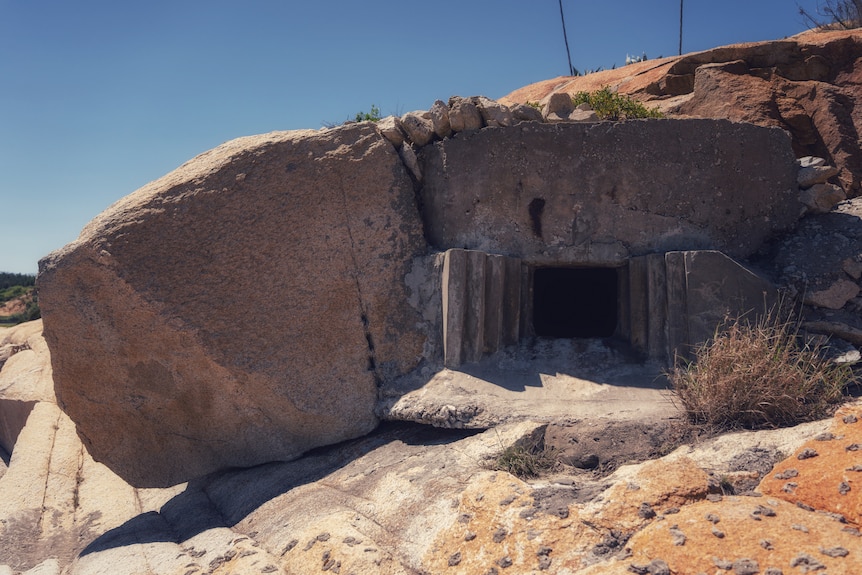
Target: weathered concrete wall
[
  {"x": 481, "y": 304},
  {"x": 598, "y": 193},
  {"x": 676, "y": 300}
]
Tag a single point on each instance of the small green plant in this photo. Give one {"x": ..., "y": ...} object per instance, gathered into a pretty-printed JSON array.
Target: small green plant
[
  {"x": 372, "y": 116},
  {"x": 759, "y": 374},
  {"x": 535, "y": 105},
  {"x": 608, "y": 105}
]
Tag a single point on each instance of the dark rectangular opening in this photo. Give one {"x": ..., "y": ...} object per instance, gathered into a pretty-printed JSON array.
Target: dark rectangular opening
[{"x": 575, "y": 302}]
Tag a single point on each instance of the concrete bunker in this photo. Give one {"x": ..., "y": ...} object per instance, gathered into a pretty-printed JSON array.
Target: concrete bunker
[
  {"x": 660, "y": 304},
  {"x": 627, "y": 230}
]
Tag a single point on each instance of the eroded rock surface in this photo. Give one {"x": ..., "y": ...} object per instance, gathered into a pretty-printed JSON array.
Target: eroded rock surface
[{"x": 409, "y": 498}]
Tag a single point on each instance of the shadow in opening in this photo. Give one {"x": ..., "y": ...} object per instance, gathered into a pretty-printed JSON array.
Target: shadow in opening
[{"x": 575, "y": 302}]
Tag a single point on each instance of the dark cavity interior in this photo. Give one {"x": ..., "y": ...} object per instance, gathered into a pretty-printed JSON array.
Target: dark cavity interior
[{"x": 575, "y": 302}]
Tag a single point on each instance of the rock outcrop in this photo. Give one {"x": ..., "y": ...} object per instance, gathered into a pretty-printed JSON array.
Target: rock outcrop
[
  {"x": 808, "y": 84},
  {"x": 54, "y": 499},
  {"x": 412, "y": 499},
  {"x": 314, "y": 230}
]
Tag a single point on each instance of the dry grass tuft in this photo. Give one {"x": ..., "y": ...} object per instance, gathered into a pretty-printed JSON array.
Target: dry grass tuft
[
  {"x": 759, "y": 374},
  {"x": 527, "y": 458}
]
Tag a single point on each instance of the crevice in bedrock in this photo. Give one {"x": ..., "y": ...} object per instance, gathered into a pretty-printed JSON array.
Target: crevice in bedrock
[{"x": 371, "y": 366}]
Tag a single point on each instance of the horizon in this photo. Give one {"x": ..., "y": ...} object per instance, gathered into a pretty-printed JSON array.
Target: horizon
[{"x": 103, "y": 98}]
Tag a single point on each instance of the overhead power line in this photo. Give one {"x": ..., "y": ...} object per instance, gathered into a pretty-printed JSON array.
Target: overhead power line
[{"x": 566, "y": 40}]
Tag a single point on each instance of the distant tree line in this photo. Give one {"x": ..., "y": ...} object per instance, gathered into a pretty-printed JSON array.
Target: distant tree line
[
  {"x": 15, "y": 286},
  {"x": 8, "y": 280}
]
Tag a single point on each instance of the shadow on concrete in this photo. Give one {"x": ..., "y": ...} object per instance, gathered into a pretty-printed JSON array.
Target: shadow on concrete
[
  {"x": 603, "y": 361},
  {"x": 225, "y": 498}
]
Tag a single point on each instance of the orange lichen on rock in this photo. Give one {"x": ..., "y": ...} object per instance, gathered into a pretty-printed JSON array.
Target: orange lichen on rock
[
  {"x": 504, "y": 522},
  {"x": 743, "y": 535},
  {"x": 501, "y": 525},
  {"x": 659, "y": 486},
  {"x": 826, "y": 472}
]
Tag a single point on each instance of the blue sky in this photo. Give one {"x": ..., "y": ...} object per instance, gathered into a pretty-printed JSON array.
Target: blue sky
[{"x": 100, "y": 97}]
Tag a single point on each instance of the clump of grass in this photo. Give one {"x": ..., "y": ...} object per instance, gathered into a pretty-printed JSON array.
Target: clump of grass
[
  {"x": 608, "y": 105},
  {"x": 526, "y": 458},
  {"x": 759, "y": 374}
]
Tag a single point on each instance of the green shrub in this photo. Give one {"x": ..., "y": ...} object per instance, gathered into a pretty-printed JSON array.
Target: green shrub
[
  {"x": 372, "y": 116},
  {"x": 12, "y": 293},
  {"x": 759, "y": 374},
  {"x": 608, "y": 105}
]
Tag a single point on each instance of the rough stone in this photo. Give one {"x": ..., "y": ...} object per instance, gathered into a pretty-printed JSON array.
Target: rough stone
[
  {"x": 464, "y": 115},
  {"x": 821, "y": 198},
  {"x": 411, "y": 162},
  {"x": 810, "y": 162},
  {"x": 54, "y": 499},
  {"x": 440, "y": 119},
  {"x": 812, "y": 258},
  {"x": 811, "y": 175},
  {"x": 819, "y": 478},
  {"x": 835, "y": 296},
  {"x": 557, "y": 104},
  {"x": 525, "y": 113},
  {"x": 390, "y": 127},
  {"x": 401, "y": 500},
  {"x": 151, "y": 344},
  {"x": 418, "y": 129},
  {"x": 852, "y": 268},
  {"x": 583, "y": 116},
  {"x": 493, "y": 113}
]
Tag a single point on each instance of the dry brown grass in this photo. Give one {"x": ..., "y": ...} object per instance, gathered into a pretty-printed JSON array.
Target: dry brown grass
[{"x": 759, "y": 374}]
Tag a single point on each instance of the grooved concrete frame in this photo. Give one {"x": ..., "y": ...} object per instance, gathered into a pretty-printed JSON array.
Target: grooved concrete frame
[
  {"x": 481, "y": 304},
  {"x": 668, "y": 302}
]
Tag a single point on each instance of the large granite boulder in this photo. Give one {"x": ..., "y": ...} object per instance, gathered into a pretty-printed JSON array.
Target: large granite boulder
[{"x": 241, "y": 309}]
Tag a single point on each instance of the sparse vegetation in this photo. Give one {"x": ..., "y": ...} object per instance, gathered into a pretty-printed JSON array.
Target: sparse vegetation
[
  {"x": 835, "y": 14},
  {"x": 526, "y": 458},
  {"x": 372, "y": 116},
  {"x": 759, "y": 374},
  {"x": 608, "y": 105}
]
